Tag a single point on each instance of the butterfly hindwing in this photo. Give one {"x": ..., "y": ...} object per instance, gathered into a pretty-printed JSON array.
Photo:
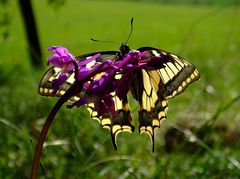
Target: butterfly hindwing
[
  {"x": 152, "y": 105},
  {"x": 122, "y": 122}
]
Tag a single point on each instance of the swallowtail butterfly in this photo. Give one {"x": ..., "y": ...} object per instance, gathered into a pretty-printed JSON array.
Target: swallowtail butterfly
[{"x": 151, "y": 88}]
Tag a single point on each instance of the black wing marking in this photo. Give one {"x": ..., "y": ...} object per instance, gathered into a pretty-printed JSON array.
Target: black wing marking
[{"x": 152, "y": 88}]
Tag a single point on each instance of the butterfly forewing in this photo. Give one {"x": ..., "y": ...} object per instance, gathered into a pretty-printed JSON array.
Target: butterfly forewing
[
  {"x": 45, "y": 86},
  {"x": 175, "y": 72}
]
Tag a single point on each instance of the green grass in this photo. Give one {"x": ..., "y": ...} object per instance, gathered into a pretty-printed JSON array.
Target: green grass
[{"x": 200, "y": 139}]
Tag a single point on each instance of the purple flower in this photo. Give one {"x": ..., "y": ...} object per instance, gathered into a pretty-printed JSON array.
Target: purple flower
[
  {"x": 61, "y": 58},
  {"x": 130, "y": 63},
  {"x": 131, "y": 59},
  {"x": 84, "y": 62},
  {"x": 79, "y": 103},
  {"x": 101, "y": 79},
  {"x": 104, "y": 85},
  {"x": 105, "y": 105},
  {"x": 60, "y": 80},
  {"x": 101, "y": 82}
]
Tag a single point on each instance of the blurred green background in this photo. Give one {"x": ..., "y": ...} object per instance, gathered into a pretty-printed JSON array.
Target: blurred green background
[{"x": 200, "y": 138}]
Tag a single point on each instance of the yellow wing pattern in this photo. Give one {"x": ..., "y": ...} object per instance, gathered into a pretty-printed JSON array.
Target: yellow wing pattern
[{"x": 153, "y": 88}]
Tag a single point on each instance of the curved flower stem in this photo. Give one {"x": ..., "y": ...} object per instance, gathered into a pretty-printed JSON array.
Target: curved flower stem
[
  {"x": 76, "y": 69},
  {"x": 68, "y": 94}
]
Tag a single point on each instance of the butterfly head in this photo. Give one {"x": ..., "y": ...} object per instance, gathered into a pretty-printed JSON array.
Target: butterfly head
[{"x": 124, "y": 49}]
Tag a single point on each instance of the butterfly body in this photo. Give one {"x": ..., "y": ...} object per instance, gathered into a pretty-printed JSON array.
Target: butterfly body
[{"x": 166, "y": 77}]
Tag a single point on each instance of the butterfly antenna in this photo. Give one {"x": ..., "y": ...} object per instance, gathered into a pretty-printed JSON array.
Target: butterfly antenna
[
  {"x": 96, "y": 40},
  {"x": 130, "y": 31}
]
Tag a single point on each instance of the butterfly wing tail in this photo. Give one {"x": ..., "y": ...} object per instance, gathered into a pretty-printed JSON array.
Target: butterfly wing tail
[
  {"x": 122, "y": 122},
  {"x": 150, "y": 120}
]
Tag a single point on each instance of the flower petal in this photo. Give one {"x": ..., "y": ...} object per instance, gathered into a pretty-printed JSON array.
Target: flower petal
[
  {"x": 60, "y": 80},
  {"x": 84, "y": 62},
  {"x": 79, "y": 103}
]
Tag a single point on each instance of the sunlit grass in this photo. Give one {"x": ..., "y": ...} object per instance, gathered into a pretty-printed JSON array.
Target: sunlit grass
[{"x": 78, "y": 146}]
